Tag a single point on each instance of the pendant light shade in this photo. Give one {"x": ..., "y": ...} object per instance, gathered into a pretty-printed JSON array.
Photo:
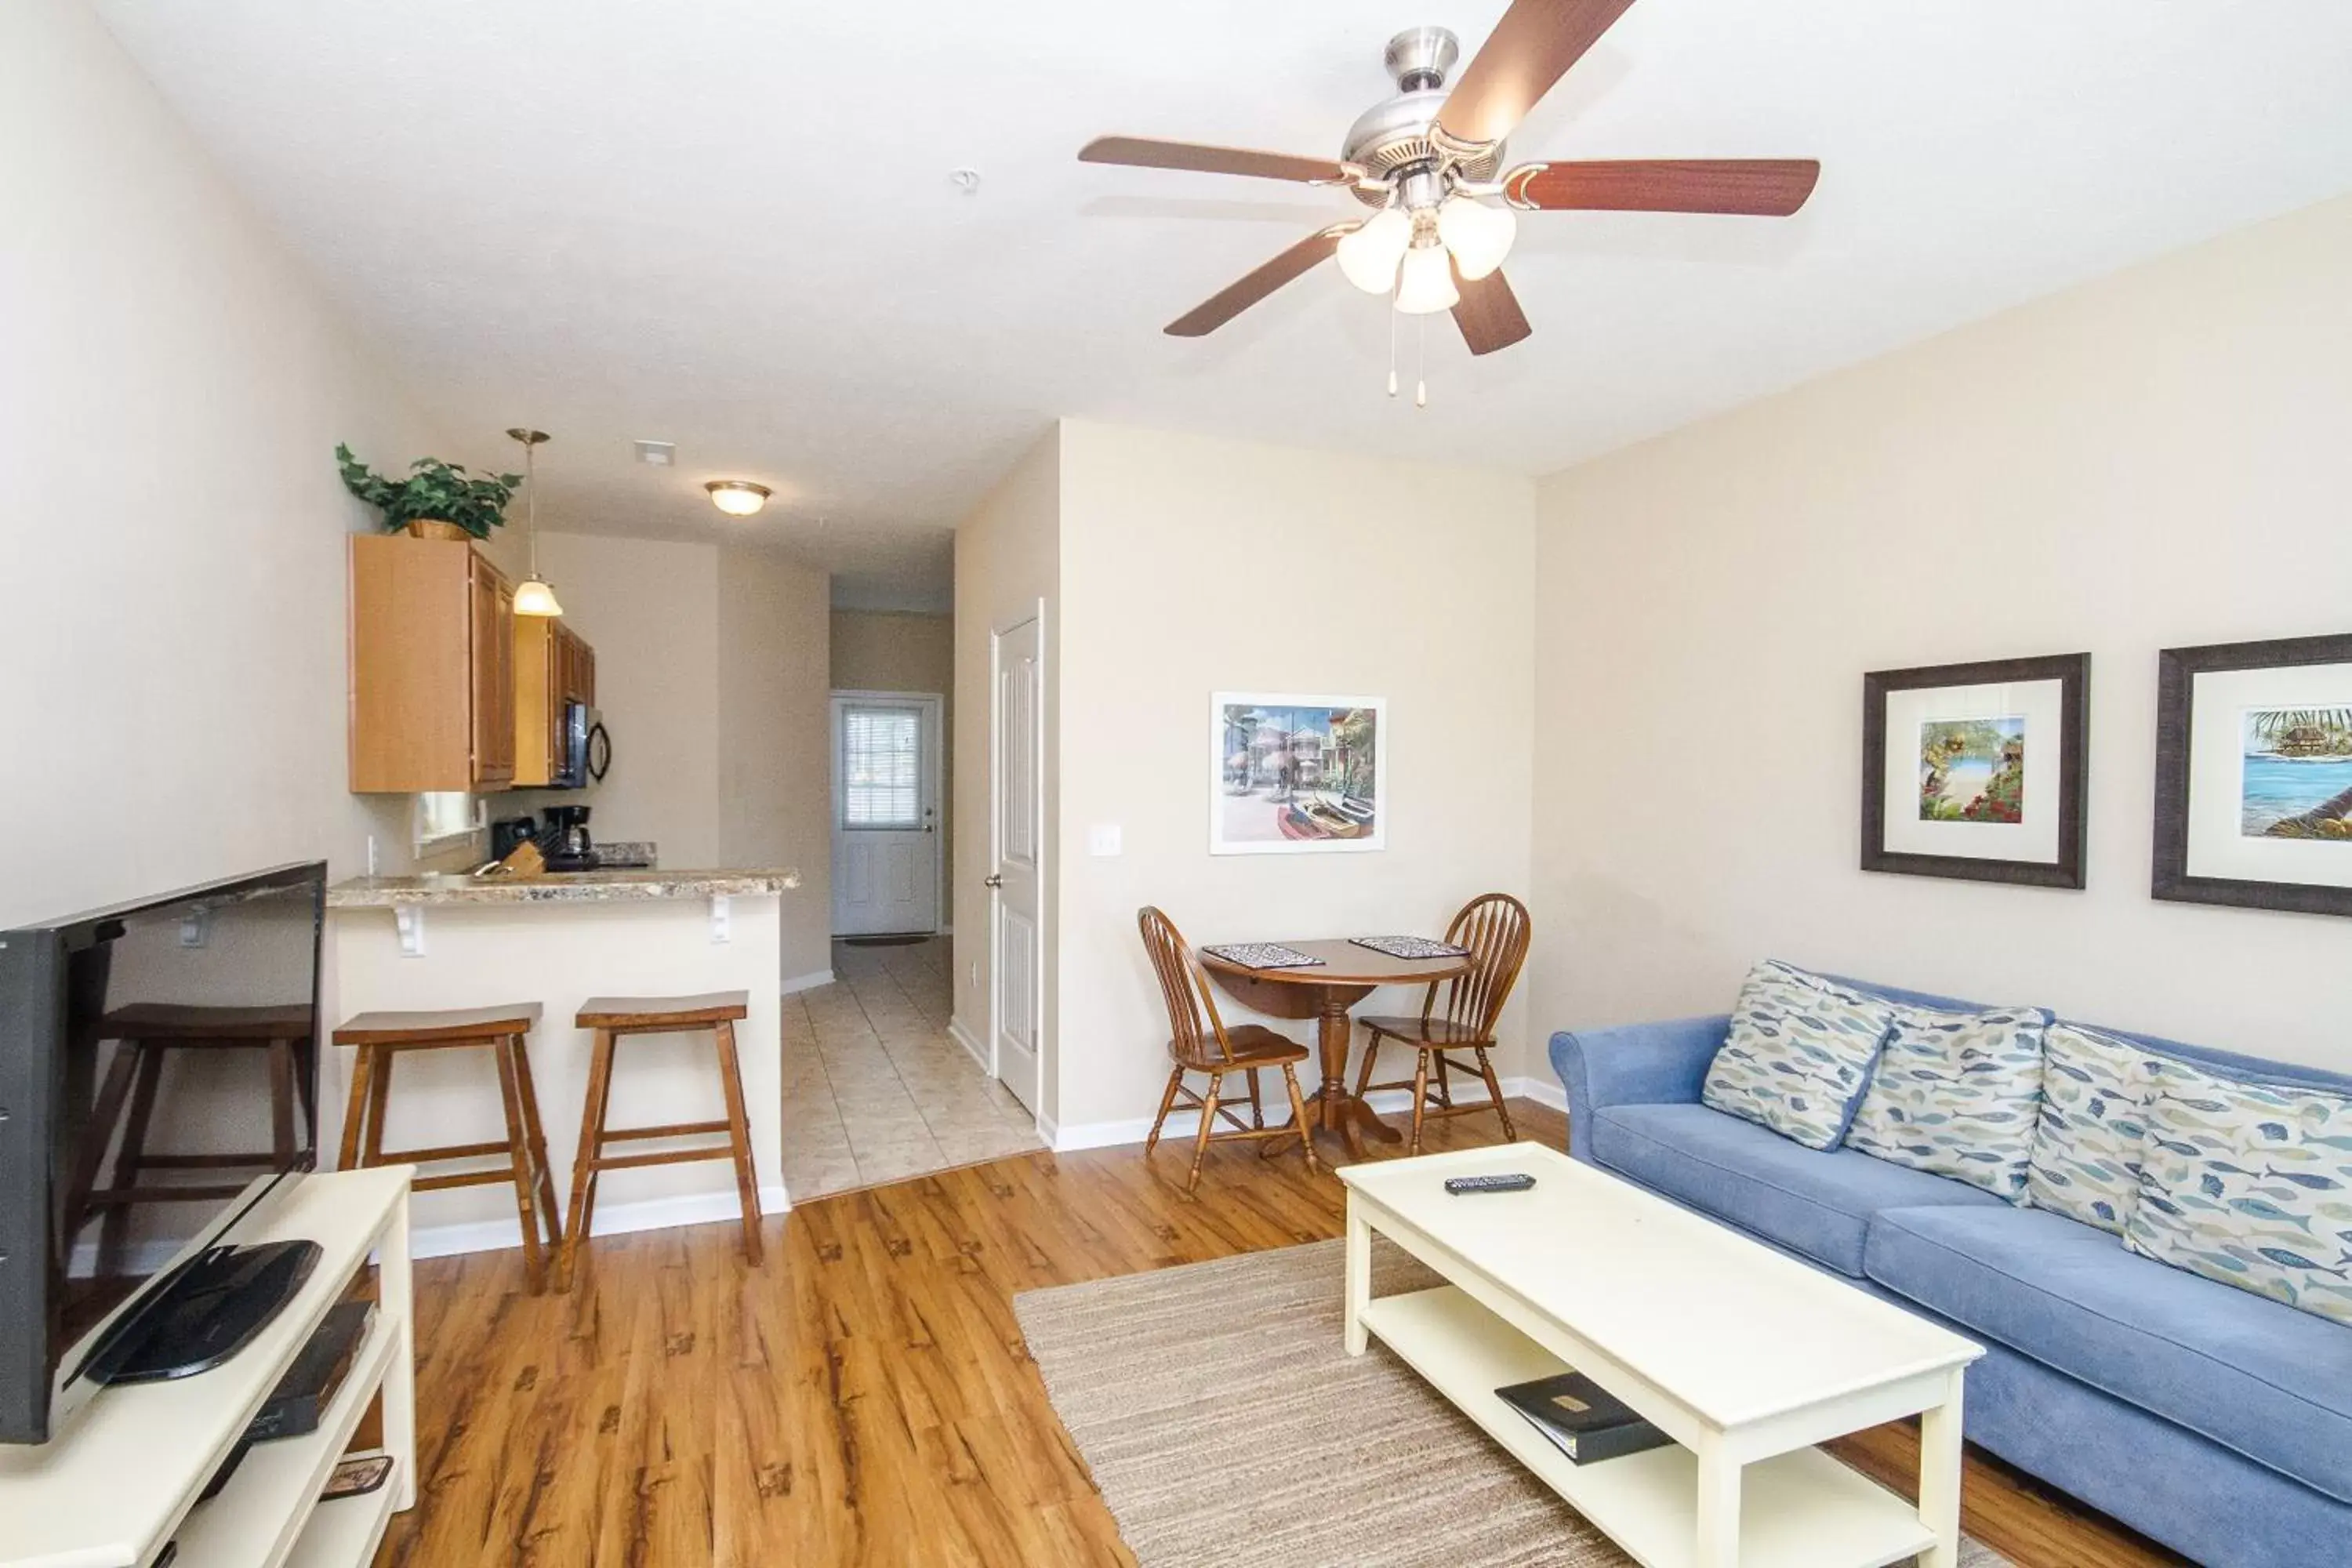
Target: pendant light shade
[
  {"x": 1370, "y": 255},
  {"x": 1426, "y": 283},
  {"x": 533, "y": 595}
]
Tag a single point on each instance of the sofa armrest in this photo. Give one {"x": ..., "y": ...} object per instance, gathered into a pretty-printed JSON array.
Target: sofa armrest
[{"x": 1637, "y": 1064}]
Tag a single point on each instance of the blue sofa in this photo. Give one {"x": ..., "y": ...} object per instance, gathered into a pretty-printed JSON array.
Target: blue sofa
[{"x": 2207, "y": 1417}]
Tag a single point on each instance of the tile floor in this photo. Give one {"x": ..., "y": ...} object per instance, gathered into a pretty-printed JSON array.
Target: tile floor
[{"x": 874, "y": 1089}]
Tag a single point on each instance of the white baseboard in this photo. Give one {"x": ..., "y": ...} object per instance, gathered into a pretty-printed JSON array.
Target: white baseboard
[
  {"x": 611, "y": 1219},
  {"x": 1183, "y": 1122},
  {"x": 972, "y": 1047},
  {"x": 801, "y": 983}
]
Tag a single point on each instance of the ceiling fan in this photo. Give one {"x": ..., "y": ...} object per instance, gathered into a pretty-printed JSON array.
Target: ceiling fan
[{"x": 1429, "y": 159}]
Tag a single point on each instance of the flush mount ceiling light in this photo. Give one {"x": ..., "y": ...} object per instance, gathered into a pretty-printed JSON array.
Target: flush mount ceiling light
[
  {"x": 533, "y": 595},
  {"x": 737, "y": 497}
]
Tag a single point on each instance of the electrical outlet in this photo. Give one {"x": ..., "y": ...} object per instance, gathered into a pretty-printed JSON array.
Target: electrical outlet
[{"x": 1103, "y": 839}]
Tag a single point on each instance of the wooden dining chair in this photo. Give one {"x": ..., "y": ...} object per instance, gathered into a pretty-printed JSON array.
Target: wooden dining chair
[
  {"x": 1458, "y": 1014},
  {"x": 1201, "y": 1043}
]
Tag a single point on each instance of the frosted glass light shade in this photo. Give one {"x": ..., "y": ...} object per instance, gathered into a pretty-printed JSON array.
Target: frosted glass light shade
[
  {"x": 1478, "y": 235},
  {"x": 1425, "y": 284},
  {"x": 737, "y": 498},
  {"x": 534, "y": 597},
  {"x": 1370, "y": 256}
]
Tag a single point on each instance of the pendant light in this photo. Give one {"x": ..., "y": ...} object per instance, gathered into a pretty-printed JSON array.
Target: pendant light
[{"x": 533, "y": 595}]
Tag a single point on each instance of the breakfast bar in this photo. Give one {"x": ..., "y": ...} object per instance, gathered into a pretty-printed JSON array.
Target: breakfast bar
[{"x": 400, "y": 944}]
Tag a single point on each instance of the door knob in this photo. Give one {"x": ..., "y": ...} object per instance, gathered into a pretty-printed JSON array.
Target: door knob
[{"x": 993, "y": 882}]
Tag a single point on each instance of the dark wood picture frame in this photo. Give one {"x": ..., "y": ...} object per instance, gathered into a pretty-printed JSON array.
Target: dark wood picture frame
[
  {"x": 2072, "y": 671},
  {"x": 2177, "y": 672}
]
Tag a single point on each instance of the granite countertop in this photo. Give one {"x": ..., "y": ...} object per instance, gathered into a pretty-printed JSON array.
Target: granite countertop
[{"x": 555, "y": 888}]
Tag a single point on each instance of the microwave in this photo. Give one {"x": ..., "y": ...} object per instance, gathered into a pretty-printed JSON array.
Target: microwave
[{"x": 586, "y": 752}]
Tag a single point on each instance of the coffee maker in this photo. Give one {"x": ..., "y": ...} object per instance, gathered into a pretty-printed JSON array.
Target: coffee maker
[{"x": 566, "y": 843}]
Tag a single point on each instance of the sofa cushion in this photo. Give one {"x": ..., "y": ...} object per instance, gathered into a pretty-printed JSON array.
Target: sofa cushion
[
  {"x": 1957, "y": 1094},
  {"x": 1814, "y": 1203},
  {"x": 2086, "y": 1147},
  {"x": 2272, "y": 1382},
  {"x": 2249, "y": 1185},
  {"x": 1799, "y": 1054}
]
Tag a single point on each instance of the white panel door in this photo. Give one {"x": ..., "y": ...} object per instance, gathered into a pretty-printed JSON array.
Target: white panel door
[
  {"x": 886, "y": 841},
  {"x": 1017, "y": 880}
]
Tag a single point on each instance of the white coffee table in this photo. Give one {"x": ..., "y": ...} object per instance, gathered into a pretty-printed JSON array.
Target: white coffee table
[{"x": 1746, "y": 1358}]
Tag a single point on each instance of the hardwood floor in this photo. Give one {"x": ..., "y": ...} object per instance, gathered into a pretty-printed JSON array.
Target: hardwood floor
[{"x": 865, "y": 1399}]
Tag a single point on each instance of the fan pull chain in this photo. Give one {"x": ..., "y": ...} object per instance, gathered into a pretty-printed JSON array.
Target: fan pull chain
[{"x": 1420, "y": 366}]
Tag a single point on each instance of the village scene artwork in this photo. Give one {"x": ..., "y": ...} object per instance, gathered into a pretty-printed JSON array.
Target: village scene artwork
[
  {"x": 1972, "y": 770},
  {"x": 1296, "y": 775},
  {"x": 2297, "y": 776}
]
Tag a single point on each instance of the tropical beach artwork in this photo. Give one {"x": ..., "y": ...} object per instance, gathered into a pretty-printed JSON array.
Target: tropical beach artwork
[
  {"x": 1972, "y": 770},
  {"x": 2297, "y": 774},
  {"x": 1295, "y": 773}
]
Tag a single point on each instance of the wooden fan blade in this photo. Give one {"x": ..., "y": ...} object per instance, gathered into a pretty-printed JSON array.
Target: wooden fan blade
[
  {"x": 1756, "y": 187},
  {"x": 1239, "y": 296},
  {"x": 1488, "y": 313},
  {"x": 1141, "y": 152},
  {"x": 1530, "y": 48}
]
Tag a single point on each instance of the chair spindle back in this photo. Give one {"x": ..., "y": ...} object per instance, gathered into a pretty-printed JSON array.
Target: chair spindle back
[
  {"x": 1194, "y": 1041},
  {"x": 1495, "y": 928}
]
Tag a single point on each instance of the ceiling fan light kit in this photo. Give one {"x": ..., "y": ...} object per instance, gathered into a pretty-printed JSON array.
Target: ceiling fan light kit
[{"x": 1430, "y": 158}]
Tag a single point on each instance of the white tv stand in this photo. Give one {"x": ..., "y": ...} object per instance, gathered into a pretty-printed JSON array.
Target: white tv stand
[{"x": 119, "y": 1485}]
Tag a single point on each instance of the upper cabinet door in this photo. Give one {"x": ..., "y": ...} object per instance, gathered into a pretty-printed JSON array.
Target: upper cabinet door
[{"x": 493, "y": 634}]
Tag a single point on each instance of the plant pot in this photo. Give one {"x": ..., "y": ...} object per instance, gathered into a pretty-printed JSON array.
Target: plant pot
[{"x": 434, "y": 528}]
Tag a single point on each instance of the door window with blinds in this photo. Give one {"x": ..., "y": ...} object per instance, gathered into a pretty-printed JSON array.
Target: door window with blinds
[{"x": 881, "y": 766}]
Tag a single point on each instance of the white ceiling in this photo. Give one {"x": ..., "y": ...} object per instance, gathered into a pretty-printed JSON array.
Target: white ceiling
[{"x": 730, "y": 224}]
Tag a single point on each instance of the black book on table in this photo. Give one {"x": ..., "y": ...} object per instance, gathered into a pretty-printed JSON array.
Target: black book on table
[{"x": 1583, "y": 1420}]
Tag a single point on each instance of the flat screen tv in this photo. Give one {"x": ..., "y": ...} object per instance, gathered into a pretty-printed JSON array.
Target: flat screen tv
[{"x": 158, "y": 1097}]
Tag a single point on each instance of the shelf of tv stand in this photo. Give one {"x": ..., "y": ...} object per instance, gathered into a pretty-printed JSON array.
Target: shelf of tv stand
[{"x": 119, "y": 1481}]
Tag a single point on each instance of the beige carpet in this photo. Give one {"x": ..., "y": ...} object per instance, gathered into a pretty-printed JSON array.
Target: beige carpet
[{"x": 1225, "y": 1425}]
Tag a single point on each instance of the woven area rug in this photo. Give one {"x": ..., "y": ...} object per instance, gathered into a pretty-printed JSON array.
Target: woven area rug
[{"x": 1225, "y": 1425}]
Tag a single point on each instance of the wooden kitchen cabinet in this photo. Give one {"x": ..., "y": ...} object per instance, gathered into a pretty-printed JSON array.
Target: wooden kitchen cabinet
[
  {"x": 432, "y": 667},
  {"x": 554, "y": 666}
]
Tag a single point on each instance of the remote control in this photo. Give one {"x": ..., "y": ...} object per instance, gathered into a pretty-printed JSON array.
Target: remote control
[{"x": 1514, "y": 1183}]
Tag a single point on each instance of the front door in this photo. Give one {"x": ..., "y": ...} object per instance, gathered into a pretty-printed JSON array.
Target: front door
[
  {"x": 886, "y": 821},
  {"x": 1016, "y": 880}
]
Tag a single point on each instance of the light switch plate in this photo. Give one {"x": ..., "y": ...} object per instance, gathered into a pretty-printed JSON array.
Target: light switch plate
[{"x": 1103, "y": 839}]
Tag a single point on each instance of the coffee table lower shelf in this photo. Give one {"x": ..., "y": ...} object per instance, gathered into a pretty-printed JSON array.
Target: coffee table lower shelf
[{"x": 1801, "y": 1509}]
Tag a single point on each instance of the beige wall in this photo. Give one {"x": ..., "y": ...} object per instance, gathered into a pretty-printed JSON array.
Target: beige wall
[
  {"x": 1008, "y": 563},
  {"x": 2160, "y": 458},
  {"x": 711, "y": 675},
  {"x": 172, "y": 526},
  {"x": 884, "y": 650},
  {"x": 1192, "y": 566},
  {"x": 775, "y": 774}
]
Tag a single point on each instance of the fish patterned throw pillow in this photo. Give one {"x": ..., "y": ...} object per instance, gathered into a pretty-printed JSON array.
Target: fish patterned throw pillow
[
  {"x": 2249, "y": 1185},
  {"x": 1957, "y": 1094},
  {"x": 1798, "y": 1055},
  {"x": 2085, "y": 1162}
]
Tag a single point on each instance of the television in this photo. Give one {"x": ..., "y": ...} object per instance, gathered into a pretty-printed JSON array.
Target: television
[{"x": 159, "y": 1071}]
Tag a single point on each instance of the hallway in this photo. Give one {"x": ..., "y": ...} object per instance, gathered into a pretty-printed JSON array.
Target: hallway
[{"x": 874, "y": 1090}]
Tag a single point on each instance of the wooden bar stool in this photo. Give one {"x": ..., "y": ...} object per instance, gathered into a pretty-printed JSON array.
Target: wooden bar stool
[
  {"x": 383, "y": 1036},
  {"x": 613, "y": 1016}
]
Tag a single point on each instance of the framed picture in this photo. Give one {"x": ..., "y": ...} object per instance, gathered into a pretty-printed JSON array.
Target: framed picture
[
  {"x": 1978, "y": 770},
  {"x": 1289, "y": 774},
  {"x": 2253, "y": 774}
]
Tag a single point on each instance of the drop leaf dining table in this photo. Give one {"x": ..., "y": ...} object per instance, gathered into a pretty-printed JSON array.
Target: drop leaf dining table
[{"x": 1325, "y": 992}]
